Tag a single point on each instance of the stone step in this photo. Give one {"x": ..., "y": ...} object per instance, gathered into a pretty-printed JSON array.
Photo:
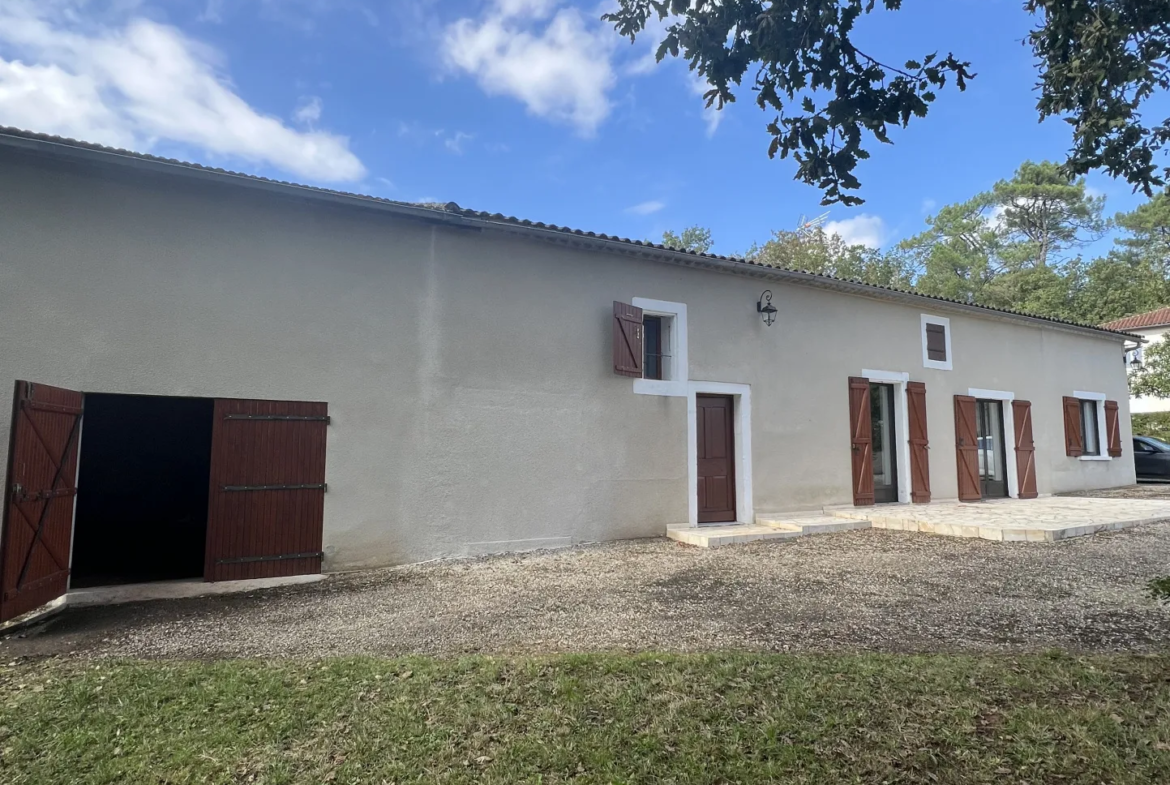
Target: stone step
[
  {"x": 718, "y": 536},
  {"x": 810, "y": 524}
]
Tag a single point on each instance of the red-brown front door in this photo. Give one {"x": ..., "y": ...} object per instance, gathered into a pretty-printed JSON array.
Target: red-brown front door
[{"x": 716, "y": 443}]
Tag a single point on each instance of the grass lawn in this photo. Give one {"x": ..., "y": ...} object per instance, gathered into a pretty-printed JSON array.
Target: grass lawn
[{"x": 597, "y": 718}]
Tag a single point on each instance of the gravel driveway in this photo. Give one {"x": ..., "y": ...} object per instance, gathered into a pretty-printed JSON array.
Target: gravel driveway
[{"x": 872, "y": 589}]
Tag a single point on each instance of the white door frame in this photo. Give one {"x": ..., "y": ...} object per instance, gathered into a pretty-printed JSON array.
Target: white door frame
[
  {"x": 1009, "y": 434},
  {"x": 901, "y": 423},
  {"x": 742, "y": 396}
]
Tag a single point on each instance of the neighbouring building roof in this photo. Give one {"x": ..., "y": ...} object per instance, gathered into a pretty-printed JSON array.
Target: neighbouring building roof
[
  {"x": 61, "y": 147},
  {"x": 1156, "y": 318}
]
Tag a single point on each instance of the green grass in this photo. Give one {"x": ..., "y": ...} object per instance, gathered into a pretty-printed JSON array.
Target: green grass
[{"x": 591, "y": 719}]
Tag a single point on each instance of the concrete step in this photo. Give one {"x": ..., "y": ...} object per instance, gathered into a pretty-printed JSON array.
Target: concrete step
[
  {"x": 718, "y": 536},
  {"x": 810, "y": 524}
]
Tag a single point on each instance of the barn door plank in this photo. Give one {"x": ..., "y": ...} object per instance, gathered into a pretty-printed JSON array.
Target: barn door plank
[
  {"x": 266, "y": 503},
  {"x": 861, "y": 441},
  {"x": 1025, "y": 449},
  {"x": 919, "y": 443},
  {"x": 967, "y": 449},
  {"x": 39, "y": 493}
]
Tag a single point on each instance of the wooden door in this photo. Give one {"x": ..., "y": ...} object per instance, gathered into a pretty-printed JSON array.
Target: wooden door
[
  {"x": 919, "y": 443},
  {"x": 266, "y": 504},
  {"x": 1025, "y": 449},
  {"x": 716, "y": 448},
  {"x": 861, "y": 441},
  {"x": 967, "y": 449},
  {"x": 39, "y": 493}
]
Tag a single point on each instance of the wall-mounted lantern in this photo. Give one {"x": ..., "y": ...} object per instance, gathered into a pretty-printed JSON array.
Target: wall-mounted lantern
[{"x": 765, "y": 309}]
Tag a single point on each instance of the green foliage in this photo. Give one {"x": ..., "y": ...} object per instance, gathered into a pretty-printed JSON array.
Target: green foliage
[
  {"x": 1099, "y": 62},
  {"x": 589, "y": 719},
  {"x": 695, "y": 239},
  {"x": 1156, "y": 424},
  {"x": 816, "y": 251},
  {"x": 1159, "y": 589},
  {"x": 829, "y": 97}
]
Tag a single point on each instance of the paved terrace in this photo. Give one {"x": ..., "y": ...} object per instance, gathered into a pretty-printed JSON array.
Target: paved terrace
[{"x": 1009, "y": 520}]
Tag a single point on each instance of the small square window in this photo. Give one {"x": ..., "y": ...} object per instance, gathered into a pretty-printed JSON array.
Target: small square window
[
  {"x": 936, "y": 342},
  {"x": 1089, "y": 429}
]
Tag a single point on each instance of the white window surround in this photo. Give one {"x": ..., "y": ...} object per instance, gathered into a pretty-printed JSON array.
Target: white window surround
[
  {"x": 742, "y": 394},
  {"x": 1102, "y": 435},
  {"x": 901, "y": 423},
  {"x": 938, "y": 365},
  {"x": 678, "y": 368},
  {"x": 1009, "y": 433}
]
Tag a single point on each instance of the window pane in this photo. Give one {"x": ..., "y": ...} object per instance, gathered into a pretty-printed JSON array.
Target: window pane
[
  {"x": 652, "y": 343},
  {"x": 936, "y": 342},
  {"x": 1089, "y": 427}
]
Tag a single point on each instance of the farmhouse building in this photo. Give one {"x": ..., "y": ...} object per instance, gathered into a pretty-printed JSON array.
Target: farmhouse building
[{"x": 218, "y": 376}]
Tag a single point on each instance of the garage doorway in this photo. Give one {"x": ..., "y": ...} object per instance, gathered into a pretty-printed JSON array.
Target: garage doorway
[
  {"x": 142, "y": 489},
  {"x": 108, "y": 489}
]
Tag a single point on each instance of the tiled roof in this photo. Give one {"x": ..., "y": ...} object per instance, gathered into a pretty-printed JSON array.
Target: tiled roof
[
  {"x": 15, "y": 137},
  {"x": 1158, "y": 318}
]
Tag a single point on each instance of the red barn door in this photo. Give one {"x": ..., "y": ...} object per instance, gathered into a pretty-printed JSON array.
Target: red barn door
[
  {"x": 266, "y": 504},
  {"x": 38, "y": 497}
]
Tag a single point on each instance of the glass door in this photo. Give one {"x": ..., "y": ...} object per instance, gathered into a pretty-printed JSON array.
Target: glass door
[
  {"x": 992, "y": 454},
  {"x": 885, "y": 461}
]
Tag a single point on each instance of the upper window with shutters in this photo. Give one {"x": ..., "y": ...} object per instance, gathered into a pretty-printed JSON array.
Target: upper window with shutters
[
  {"x": 936, "y": 343},
  {"x": 650, "y": 344}
]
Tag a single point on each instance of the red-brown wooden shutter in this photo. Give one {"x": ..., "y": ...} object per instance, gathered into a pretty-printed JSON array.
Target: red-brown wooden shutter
[
  {"x": 919, "y": 443},
  {"x": 1113, "y": 429},
  {"x": 1025, "y": 449},
  {"x": 861, "y": 430},
  {"x": 627, "y": 340},
  {"x": 1074, "y": 442},
  {"x": 266, "y": 503},
  {"x": 967, "y": 449},
  {"x": 38, "y": 510}
]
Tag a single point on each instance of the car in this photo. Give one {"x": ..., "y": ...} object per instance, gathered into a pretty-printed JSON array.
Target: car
[{"x": 1151, "y": 458}]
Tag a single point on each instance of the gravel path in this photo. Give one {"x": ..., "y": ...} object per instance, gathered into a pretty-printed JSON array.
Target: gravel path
[{"x": 871, "y": 590}]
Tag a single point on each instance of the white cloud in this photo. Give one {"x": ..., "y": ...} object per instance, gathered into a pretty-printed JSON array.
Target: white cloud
[
  {"x": 142, "y": 83},
  {"x": 558, "y": 65},
  {"x": 308, "y": 111},
  {"x": 864, "y": 229},
  {"x": 646, "y": 208},
  {"x": 454, "y": 143}
]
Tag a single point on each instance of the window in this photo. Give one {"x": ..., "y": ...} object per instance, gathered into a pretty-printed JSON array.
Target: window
[
  {"x": 652, "y": 327},
  {"x": 664, "y": 348},
  {"x": 1090, "y": 429},
  {"x": 936, "y": 342},
  {"x": 1140, "y": 446}
]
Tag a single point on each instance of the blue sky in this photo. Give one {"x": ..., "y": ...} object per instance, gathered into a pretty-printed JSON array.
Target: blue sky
[{"x": 526, "y": 107}]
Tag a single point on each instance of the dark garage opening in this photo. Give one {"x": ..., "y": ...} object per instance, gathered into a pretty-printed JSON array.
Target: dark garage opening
[{"x": 142, "y": 486}]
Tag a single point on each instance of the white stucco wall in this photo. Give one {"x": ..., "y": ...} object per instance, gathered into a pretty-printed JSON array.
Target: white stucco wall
[{"x": 468, "y": 373}]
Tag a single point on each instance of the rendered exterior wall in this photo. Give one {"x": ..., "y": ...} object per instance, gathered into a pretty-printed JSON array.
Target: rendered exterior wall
[
  {"x": 1147, "y": 404},
  {"x": 468, "y": 373}
]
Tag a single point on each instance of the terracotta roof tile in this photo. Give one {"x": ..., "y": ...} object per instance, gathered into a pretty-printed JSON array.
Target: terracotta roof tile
[{"x": 1158, "y": 318}]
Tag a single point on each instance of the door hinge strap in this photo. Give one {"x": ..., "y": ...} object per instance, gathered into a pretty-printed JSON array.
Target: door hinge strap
[
  {"x": 290, "y": 417},
  {"x": 282, "y": 557},
  {"x": 320, "y": 486}
]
